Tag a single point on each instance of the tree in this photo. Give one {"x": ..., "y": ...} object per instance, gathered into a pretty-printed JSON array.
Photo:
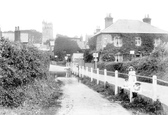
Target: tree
[
  {"x": 88, "y": 57},
  {"x": 65, "y": 45},
  {"x": 92, "y": 43}
]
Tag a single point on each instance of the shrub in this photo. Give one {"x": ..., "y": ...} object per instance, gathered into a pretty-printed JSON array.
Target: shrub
[
  {"x": 108, "y": 57},
  {"x": 24, "y": 74},
  {"x": 101, "y": 66}
]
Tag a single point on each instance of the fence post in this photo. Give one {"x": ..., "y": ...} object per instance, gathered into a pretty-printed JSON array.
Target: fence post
[
  {"x": 79, "y": 71},
  {"x": 105, "y": 77},
  {"x": 91, "y": 74},
  {"x": 82, "y": 71},
  {"x": 97, "y": 76},
  {"x": 116, "y": 82},
  {"x": 72, "y": 68},
  {"x": 86, "y": 72},
  {"x": 154, "y": 87}
]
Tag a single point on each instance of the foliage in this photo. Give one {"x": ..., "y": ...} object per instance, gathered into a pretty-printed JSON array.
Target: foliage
[
  {"x": 92, "y": 43},
  {"x": 108, "y": 57},
  {"x": 36, "y": 36},
  {"x": 154, "y": 64},
  {"x": 88, "y": 57},
  {"x": 101, "y": 66},
  {"x": 23, "y": 68},
  {"x": 145, "y": 105},
  {"x": 65, "y": 45},
  {"x": 129, "y": 44}
]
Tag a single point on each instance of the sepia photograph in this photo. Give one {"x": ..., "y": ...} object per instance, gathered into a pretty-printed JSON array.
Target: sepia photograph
[{"x": 83, "y": 57}]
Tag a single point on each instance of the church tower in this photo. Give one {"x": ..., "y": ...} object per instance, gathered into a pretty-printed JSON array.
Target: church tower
[{"x": 47, "y": 31}]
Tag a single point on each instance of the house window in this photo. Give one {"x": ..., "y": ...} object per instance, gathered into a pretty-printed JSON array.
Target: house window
[
  {"x": 106, "y": 39},
  {"x": 157, "y": 42},
  {"x": 117, "y": 41},
  {"x": 118, "y": 57},
  {"x": 137, "y": 41}
]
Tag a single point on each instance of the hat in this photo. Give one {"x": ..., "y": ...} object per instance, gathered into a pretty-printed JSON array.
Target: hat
[{"x": 131, "y": 68}]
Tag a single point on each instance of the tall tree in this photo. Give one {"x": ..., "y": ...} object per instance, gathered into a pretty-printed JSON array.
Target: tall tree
[{"x": 65, "y": 45}]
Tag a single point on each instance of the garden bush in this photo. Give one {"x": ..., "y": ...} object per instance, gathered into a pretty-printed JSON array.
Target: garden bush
[{"x": 108, "y": 57}]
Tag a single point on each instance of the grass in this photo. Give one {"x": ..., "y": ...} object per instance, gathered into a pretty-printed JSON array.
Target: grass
[{"x": 33, "y": 106}]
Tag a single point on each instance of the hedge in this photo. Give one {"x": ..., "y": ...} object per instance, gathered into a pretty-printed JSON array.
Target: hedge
[{"x": 24, "y": 71}]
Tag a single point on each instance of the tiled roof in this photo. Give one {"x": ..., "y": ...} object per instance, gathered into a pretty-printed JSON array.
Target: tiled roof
[{"x": 132, "y": 26}]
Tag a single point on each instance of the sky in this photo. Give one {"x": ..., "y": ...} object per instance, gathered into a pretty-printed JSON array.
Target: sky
[{"x": 78, "y": 17}]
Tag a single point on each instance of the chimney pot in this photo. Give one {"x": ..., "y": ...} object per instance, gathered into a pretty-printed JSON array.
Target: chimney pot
[{"x": 147, "y": 19}]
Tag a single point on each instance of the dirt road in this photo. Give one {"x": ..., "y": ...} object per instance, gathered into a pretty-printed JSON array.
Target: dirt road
[{"x": 78, "y": 99}]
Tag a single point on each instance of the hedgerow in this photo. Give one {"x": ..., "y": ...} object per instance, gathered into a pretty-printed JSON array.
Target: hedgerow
[{"x": 24, "y": 74}]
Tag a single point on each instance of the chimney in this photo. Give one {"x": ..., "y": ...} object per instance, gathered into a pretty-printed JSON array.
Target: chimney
[
  {"x": 17, "y": 34},
  {"x": 108, "y": 20},
  {"x": 98, "y": 29},
  {"x": 147, "y": 19}
]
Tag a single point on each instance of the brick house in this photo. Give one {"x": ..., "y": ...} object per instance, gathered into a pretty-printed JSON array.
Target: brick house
[{"x": 129, "y": 36}]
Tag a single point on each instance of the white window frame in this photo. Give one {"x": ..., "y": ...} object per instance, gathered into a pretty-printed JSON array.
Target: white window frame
[
  {"x": 138, "y": 41},
  {"x": 117, "y": 41},
  {"x": 157, "y": 41},
  {"x": 118, "y": 57}
]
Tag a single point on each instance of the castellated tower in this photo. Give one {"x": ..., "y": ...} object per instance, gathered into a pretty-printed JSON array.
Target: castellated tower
[{"x": 47, "y": 31}]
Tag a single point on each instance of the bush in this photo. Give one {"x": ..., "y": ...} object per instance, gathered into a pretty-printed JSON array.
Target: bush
[
  {"x": 108, "y": 57},
  {"x": 101, "y": 66},
  {"x": 24, "y": 74}
]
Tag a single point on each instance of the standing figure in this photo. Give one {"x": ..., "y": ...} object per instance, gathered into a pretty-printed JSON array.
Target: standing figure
[{"x": 131, "y": 76}]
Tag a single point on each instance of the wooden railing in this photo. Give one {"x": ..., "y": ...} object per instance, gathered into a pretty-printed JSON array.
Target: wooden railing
[{"x": 152, "y": 90}]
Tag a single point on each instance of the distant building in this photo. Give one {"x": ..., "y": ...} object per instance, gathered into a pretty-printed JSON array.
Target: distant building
[
  {"x": 47, "y": 31},
  {"x": 23, "y": 36},
  {"x": 10, "y": 35}
]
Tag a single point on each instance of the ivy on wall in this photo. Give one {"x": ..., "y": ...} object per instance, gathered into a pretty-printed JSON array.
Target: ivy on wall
[{"x": 128, "y": 41}]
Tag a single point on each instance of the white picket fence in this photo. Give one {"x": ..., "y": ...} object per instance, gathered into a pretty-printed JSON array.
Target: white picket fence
[{"x": 151, "y": 90}]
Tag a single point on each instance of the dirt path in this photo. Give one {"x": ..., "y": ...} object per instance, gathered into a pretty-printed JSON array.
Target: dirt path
[{"x": 78, "y": 99}]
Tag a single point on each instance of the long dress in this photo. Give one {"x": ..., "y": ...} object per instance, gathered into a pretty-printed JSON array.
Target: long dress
[{"x": 132, "y": 78}]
